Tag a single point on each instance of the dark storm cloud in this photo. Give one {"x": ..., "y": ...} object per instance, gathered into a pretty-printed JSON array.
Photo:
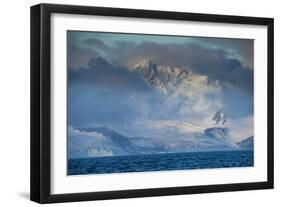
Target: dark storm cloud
[
  {"x": 79, "y": 57},
  {"x": 96, "y": 43},
  {"x": 201, "y": 56},
  {"x": 242, "y": 48},
  {"x": 100, "y": 73},
  {"x": 213, "y": 63},
  {"x": 228, "y": 61}
]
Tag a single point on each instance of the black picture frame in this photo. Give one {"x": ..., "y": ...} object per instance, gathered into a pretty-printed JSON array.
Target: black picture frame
[{"x": 41, "y": 98}]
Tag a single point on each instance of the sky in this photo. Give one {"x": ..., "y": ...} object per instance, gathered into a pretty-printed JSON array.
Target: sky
[{"x": 107, "y": 85}]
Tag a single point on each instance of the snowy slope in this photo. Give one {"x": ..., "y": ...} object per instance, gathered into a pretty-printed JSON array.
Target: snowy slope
[{"x": 102, "y": 141}]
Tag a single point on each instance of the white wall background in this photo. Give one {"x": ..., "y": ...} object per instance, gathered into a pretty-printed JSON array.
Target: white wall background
[{"x": 14, "y": 102}]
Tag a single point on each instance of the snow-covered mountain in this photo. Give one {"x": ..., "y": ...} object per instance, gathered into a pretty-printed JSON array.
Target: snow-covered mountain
[
  {"x": 246, "y": 144},
  {"x": 162, "y": 77},
  {"x": 102, "y": 141}
]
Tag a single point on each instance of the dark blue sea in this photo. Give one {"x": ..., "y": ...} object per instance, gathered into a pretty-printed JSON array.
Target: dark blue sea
[{"x": 160, "y": 162}]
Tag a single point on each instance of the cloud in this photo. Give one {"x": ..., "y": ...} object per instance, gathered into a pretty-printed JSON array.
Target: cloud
[
  {"x": 96, "y": 43},
  {"x": 241, "y": 128},
  {"x": 198, "y": 95},
  {"x": 99, "y": 72},
  {"x": 225, "y": 53},
  {"x": 78, "y": 57},
  {"x": 78, "y": 133},
  {"x": 241, "y": 49},
  {"x": 182, "y": 127},
  {"x": 213, "y": 63},
  {"x": 219, "y": 59}
]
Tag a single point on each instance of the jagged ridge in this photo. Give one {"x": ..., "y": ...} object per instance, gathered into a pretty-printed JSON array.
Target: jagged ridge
[{"x": 161, "y": 77}]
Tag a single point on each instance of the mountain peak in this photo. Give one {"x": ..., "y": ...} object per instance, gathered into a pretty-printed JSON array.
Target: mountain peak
[
  {"x": 246, "y": 144},
  {"x": 220, "y": 117},
  {"x": 97, "y": 61},
  {"x": 146, "y": 63},
  {"x": 164, "y": 78}
]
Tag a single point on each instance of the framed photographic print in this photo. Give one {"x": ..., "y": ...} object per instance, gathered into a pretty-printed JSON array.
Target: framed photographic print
[{"x": 133, "y": 103}]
